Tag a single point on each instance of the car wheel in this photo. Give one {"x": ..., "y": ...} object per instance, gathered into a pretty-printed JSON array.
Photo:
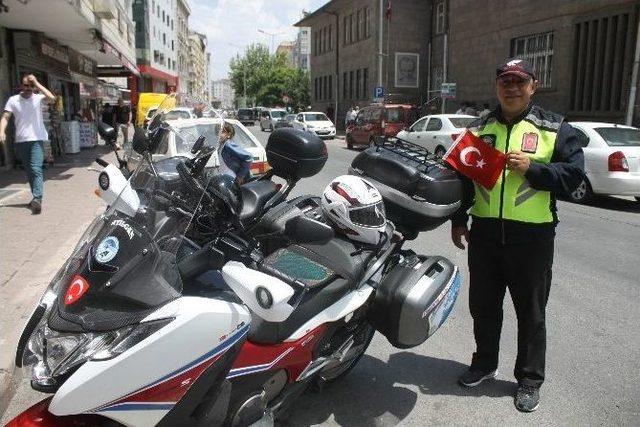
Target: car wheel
[
  {"x": 583, "y": 193},
  {"x": 440, "y": 151},
  {"x": 349, "y": 142}
]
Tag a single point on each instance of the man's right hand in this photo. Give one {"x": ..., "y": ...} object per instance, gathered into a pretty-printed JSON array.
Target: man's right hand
[
  {"x": 456, "y": 235},
  {"x": 3, "y": 137}
]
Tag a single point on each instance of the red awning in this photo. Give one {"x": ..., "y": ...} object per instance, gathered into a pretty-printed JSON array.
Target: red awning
[{"x": 158, "y": 75}]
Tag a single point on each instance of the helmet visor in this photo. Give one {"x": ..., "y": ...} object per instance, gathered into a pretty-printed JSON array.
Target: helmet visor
[{"x": 369, "y": 216}]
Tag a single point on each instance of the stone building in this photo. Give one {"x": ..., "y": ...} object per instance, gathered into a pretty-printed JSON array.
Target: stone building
[
  {"x": 582, "y": 50},
  {"x": 182, "y": 36},
  {"x": 198, "y": 66}
]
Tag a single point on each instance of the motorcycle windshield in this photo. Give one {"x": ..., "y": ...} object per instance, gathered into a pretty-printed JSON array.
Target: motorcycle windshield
[{"x": 125, "y": 266}]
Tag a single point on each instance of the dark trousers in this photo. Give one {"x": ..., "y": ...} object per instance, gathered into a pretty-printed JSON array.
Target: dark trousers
[{"x": 526, "y": 270}]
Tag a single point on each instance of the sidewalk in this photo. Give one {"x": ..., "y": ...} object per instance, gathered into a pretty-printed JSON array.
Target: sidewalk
[{"x": 35, "y": 246}]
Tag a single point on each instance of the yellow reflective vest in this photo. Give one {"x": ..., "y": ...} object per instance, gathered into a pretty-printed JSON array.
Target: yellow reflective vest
[{"x": 512, "y": 197}]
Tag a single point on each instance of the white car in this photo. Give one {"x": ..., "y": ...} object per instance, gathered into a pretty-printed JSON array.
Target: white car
[
  {"x": 437, "y": 132},
  {"x": 190, "y": 129},
  {"x": 173, "y": 114},
  {"x": 315, "y": 122},
  {"x": 611, "y": 160}
]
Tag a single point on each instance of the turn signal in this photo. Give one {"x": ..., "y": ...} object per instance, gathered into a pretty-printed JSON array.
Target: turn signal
[
  {"x": 618, "y": 162},
  {"x": 454, "y": 136}
]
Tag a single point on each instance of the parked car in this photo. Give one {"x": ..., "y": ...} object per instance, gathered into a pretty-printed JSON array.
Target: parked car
[
  {"x": 611, "y": 160},
  {"x": 378, "y": 120},
  {"x": 437, "y": 132},
  {"x": 179, "y": 113},
  {"x": 190, "y": 129},
  {"x": 315, "y": 122},
  {"x": 245, "y": 116},
  {"x": 272, "y": 118}
]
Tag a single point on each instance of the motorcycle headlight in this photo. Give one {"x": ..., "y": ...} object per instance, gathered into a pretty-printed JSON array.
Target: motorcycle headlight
[{"x": 52, "y": 354}]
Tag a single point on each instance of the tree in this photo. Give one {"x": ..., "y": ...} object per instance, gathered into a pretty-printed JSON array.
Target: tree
[{"x": 268, "y": 78}]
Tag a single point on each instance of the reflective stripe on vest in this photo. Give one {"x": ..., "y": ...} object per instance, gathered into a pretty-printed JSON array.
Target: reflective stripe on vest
[{"x": 520, "y": 202}]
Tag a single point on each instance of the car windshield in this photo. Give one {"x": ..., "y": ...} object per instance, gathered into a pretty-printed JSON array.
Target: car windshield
[
  {"x": 177, "y": 114},
  {"x": 395, "y": 115},
  {"x": 316, "y": 117},
  {"x": 620, "y": 137},
  {"x": 278, "y": 114},
  {"x": 187, "y": 135},
  {"x": 290, "y": 117},
  {"x": 245, "y": 111},
  {"x": 461, "y": 122}
]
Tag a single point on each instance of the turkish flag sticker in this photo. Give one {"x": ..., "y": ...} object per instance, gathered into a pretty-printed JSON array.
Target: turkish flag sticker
[
  {"x": 78, "y": 287},
  {"x": 529, "y": 143}
]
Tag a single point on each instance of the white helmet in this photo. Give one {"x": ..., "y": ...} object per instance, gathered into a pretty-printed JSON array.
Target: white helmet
[{"x": 355, "y": 207}]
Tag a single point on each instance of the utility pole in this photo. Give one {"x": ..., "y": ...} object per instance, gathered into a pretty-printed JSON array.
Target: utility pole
[{"x": 380, "y": 31}]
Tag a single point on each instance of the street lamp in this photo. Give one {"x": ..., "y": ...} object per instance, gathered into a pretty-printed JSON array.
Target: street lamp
[
  {"x": 273, "y": 36},
  {"x": 244, "y": 75}
]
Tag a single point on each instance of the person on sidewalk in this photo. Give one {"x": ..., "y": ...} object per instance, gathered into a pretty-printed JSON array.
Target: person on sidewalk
[
  {"x": 511, "y": 242},
  {"x": 123, "y": 120},
  {"x": 26, "y": 108}
]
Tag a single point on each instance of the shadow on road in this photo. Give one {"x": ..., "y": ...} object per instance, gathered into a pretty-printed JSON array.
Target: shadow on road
[
  {"x": 614, "y": 204},
  {"x": 374, "y": 390}
]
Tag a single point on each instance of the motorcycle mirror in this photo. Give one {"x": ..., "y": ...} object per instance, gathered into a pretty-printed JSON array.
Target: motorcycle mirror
[
  {"x": 301, "y": 229},
  {"x": 197, "y": 146},
  {"x": 107, "y": 132},
  {"x": 140, "y": 142}
]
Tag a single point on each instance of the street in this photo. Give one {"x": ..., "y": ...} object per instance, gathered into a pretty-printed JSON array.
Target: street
[{"x": 593, "y": 340}]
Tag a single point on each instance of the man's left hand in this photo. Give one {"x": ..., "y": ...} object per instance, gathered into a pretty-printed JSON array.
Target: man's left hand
[{"x": 518, "y": 162}]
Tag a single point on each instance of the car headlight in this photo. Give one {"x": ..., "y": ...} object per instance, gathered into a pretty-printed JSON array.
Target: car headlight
[{"x": 52, "y": 354}]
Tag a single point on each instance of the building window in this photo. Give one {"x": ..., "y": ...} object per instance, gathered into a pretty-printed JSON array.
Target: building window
[
  {"x": 344, "y": 85},
  {"x": 367, "y": 22},
  {"x": 537, "y": 49},
  {"x": 325, "y": 87},
  {"x": 365, "y": 83},
  {"x": 358, "y": 84},
  {"x": 359, "y": 32},
  {"x": 602, "y": 57},
  {"x": 330, "y": 93},
  {"x": 350, "y": 84},
  {"x": 440, "y": 18},
  {"x": 344, "y": 30},
  {"x": 329, "y": 44},
  {"x": 353, "y": 24},
  {"x": 172, "y": 47},
  {"x": 164, "y": 39}
]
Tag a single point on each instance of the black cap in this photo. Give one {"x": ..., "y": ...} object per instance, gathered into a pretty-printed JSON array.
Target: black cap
[{"x": 518, "y": 67}]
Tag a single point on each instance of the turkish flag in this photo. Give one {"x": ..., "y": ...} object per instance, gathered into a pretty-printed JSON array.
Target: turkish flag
[{"x": 476, "y": 159}]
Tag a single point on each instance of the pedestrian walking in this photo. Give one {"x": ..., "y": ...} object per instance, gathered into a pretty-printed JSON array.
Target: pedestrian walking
[
  {"x": 511, "y": 241},
  {"x": 30, "y": 134},
  {"x": 462, "y": 108},
  {"x": 471, "y": 109},
  {"x": 350, "y": 117},
  {"x": 123, "y": 120},
  {"x": 330, "y": 112}
]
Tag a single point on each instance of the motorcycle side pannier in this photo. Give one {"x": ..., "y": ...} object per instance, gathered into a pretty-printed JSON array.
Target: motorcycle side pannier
[
  {"x": 419, "y": 192},
  {"x": 414, "y": 299},
  {"x": 295, "y": 154}
]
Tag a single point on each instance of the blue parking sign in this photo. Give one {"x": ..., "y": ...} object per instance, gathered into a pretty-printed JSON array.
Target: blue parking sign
[{"x": 378, "y": 92}]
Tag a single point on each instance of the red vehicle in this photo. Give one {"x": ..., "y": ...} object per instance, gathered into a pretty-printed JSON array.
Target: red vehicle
[{"x": 379, "y": 120}]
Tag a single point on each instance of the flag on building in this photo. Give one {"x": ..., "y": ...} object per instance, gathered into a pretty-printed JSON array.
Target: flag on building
[{"x": 476, "y": 159}]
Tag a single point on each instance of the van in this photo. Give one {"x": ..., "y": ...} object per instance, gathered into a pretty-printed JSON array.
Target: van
[
  {"x": 147, "y": 101},
  {"x": 379, "y": 120}
]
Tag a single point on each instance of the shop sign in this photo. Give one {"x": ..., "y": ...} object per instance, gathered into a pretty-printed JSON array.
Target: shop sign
[
  {"x": 80, "y": 64},
  {"x": 52, "y": 50}
]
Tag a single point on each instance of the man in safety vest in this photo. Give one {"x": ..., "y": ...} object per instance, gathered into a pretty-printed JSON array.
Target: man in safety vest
[{"x": 512, "y": 234}]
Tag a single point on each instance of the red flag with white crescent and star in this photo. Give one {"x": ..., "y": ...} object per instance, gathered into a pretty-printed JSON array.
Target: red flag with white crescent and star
[{"x": 476, "y": 159}]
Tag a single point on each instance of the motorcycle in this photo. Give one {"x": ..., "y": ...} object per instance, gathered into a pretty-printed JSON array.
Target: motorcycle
[{"x": 189, "y": 302}]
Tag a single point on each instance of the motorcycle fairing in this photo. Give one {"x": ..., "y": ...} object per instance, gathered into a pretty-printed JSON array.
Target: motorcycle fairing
[
  {"x": 143, "y": 384},
  {"x": 294, "y": 356}
]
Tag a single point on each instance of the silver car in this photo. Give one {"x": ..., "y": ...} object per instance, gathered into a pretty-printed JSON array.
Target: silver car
[{"x": 272, "y": 118}]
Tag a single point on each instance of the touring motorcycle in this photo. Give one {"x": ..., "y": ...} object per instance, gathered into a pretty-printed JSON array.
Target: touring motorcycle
[{"x": 193, "y": 302}]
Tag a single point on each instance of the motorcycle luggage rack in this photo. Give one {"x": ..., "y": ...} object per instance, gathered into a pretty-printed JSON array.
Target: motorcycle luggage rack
[{"x": 406, "y": 149}]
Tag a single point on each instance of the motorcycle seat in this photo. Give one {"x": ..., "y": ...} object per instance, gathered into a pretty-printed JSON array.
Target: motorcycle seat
[{"x": 253, "y": 196}]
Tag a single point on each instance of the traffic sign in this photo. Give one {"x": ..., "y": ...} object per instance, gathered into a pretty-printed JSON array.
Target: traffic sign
[
  {"x": 448, "y": 90},
  {"x": 378, "y": 93}
]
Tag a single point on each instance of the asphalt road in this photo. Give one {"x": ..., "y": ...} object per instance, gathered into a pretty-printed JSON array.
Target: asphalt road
[{"x": 593, "y": 339}]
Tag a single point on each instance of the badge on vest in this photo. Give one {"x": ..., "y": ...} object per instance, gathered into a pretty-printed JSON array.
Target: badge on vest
[
  {"x": 529, "y": 143},
  {"x": 489, "y": 139}
]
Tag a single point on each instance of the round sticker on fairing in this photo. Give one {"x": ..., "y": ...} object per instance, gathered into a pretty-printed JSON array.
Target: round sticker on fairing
[{"x": 107, "y": 249}]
